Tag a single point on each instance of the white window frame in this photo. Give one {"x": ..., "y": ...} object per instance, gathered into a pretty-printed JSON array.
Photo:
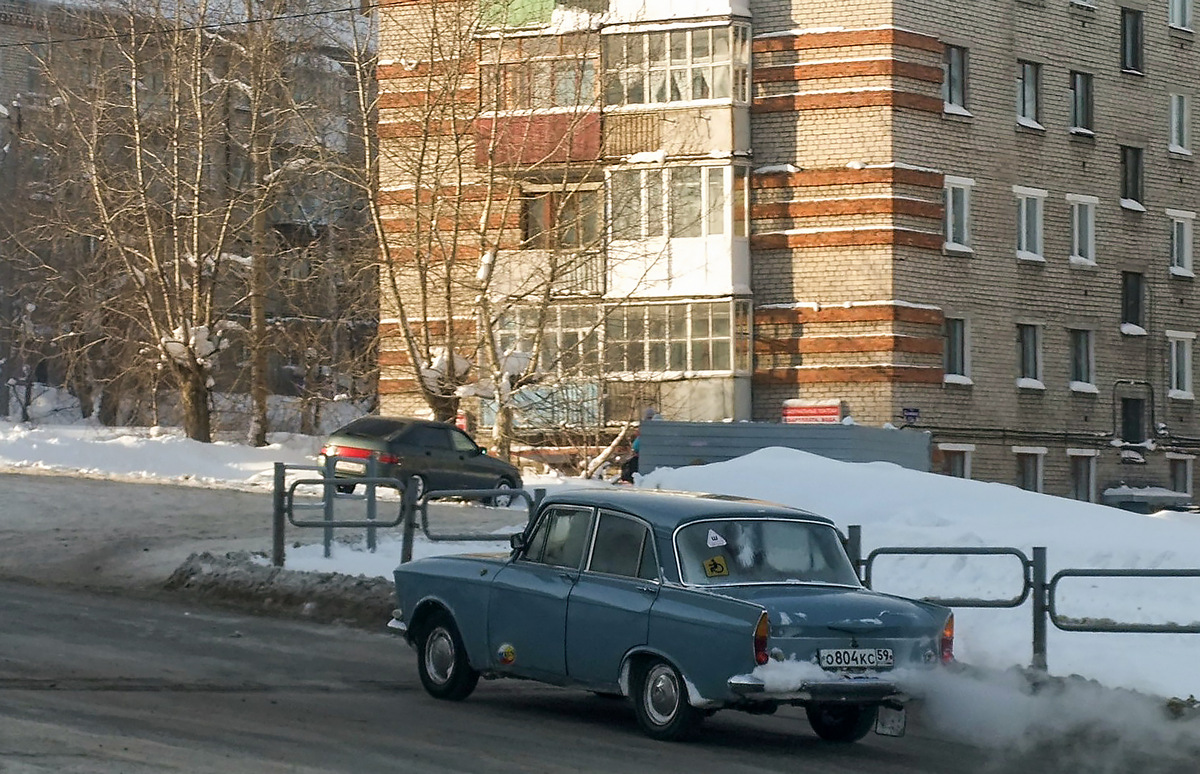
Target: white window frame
[
  {"x": 735, "y": 66},
  {"x": 1179, "y": 14},
  {"x": 1029, "y": 98},
  {"x": 1180, "y": 382},
  {"x": 953, "y": 217},
  {"x": 1090, "y": 455},
  {"x": 1024, "y": 381},
  {"x": 1038, "y": 452},
  {"x": 965, "y": 449},
  {"x": 1083, "y": 246},
  {"x": 965, "y": 377},
  {"x": 1183, "y": 223},
  {"x": 1189, "y": 461},
  {"x": 951, "y": 102},
  {"x": 1030, "y": 203},
  {"x": 1087, "y": 385},
  {"x": 1180, "y": 113}
]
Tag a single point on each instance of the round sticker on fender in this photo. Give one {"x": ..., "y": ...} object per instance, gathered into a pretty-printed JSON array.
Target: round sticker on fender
[{"x": 507, "y": 654}]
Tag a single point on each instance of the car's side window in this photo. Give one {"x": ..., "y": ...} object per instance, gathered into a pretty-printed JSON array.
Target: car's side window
[
  {"x": 429, "y": 438},
  {"x": 560, "y": 537},
  {"x": 461, "y": 442},
  {"x": 623, "y": 546}
]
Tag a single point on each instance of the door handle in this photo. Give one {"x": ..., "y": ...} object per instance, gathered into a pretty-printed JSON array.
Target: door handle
[
  {"x": 566, "y": 576},
  {"x": 648, "y": 589}
]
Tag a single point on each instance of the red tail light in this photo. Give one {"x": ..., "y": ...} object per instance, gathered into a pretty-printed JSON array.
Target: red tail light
[
  {"x": 345, "y": 451},
  {"x": 389, "y": 459},
  {"x": 760, "y": 640},
  {"x": 948, "y": 640}
]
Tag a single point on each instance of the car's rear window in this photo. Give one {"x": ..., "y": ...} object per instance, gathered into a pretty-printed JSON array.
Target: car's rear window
[
  {"x": 373, "y": 427},
  {"x": 736, "y": 551}
]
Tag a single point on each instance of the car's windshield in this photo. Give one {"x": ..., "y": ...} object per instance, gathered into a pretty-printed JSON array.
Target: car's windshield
[{"x": 734, "y": 551}]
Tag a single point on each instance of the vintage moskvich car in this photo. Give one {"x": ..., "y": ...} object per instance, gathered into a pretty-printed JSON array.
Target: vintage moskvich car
[{"x": 684, "y": 603}]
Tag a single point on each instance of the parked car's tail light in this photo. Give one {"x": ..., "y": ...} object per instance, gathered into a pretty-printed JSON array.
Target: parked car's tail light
[
  {"x": 761, "y": 656},
  {"x": 389, "y": 459},
  {"x": 345, "y": 451},
  {"x": 948, "y": 640}
]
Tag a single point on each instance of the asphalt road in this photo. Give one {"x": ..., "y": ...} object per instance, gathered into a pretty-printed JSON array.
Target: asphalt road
[{"x": 102, "y": 683}]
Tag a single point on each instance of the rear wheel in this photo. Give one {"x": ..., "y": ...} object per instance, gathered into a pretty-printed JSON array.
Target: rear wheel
[
  {"x": 418, "y": 487},
  {"x": 843, "y": 723},
  {"x": 442, "y": 660},
  {"x": 660, "y": 701},
  {"x": 345, "y": 488},
  {"x": 501, "y": 500}
]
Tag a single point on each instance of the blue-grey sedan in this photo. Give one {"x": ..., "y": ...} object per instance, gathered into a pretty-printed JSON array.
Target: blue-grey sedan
[{"x": 684, "y": 603}]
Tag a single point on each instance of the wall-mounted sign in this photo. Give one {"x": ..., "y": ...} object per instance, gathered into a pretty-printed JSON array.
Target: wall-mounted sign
[
  {"x": 911, "y": 415},
  {"x": 813, "y": 412}
]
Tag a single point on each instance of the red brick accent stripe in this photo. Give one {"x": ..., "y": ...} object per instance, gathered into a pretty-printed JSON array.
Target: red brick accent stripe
[
  {"x": 808, "y": 209},
  {"x": 424, "y": 69},
  {"x": 785, "y": 103},
  {"x": 843, "y": 38},
  {"x": 847, "y": 176},
  {"x": 396, "y": 129},
  {"x": 827, "y": 344},
  {"x": 862, "y": 313},
  {"x": 857, "y": 237},
  {"x": 803, "y": 72},
  {"x": 849, "y": 374},
  {"x": 392, "y": 100}
]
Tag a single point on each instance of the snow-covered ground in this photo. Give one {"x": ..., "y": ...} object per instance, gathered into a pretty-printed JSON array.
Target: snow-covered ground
[{"x": 895, "y": 506}]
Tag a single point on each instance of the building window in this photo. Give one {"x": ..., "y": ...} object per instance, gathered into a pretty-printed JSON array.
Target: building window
[
  {"x": 1182, "y": 229},
  {"x": 524, "y": 73},
  {"x": 1081, "y": 102},
  {"x": 677, "y": 202},
  {"x": 1082, "y": 372},
  {"x": 1180, "y": 357},
  {"x": 677, "y": 337},
  {"x": 955, "y": 349},
  {"x": 1179, "y": 14},
  {"x": 954, "y": 79},
  {"x": 956, "y": 459},
  {"x": 1029, "y": 467},
  {"x": 1181, "y": 124},
  {"x": 1132, "y": 308},
  {"x": 1083, "y": 474},
  {"x": 677, "y": 65},
  {"x": 570, "y": 340},
  {"x": 1083, "y": 228},
  {"x": 1131, "y": 40},
  {"x": 1029, "y": 361},
  {"x": 958, "y": 212},
  {"x": 1131, "y": 177},
  {"x": 1181, "y": 472},
  {"x": 1029, "y": 222},
  {"x": 1028, "y": 102},
  {"x": 1133, "y": 420},
  {"x": 561, "y": 220}
]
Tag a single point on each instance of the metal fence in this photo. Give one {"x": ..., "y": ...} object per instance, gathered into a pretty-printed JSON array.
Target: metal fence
[
  {"x": 407, "y": 507},
  {"x": 1034, "y": 586}
]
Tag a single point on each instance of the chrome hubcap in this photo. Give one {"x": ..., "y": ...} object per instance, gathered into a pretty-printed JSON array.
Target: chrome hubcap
[
  {"x": 439, "y": 656},
  {"x": 503, "y": 501},
  {"x": 661, "y": 694}
]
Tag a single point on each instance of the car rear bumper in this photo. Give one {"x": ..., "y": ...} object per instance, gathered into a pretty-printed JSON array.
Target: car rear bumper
[{"x": 850, "y": 691}]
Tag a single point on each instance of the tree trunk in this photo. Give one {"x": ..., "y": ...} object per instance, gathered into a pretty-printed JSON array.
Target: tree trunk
[
  {"x": 193, "y": 392},
  {"x": 502, "y": 432}
]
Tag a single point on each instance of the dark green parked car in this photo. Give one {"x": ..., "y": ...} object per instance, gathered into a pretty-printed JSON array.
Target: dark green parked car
[{"x": 422, "y": 454}]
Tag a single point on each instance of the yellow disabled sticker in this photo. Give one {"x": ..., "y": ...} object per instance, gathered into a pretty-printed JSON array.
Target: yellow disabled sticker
[{"x": 716, "y": 567}]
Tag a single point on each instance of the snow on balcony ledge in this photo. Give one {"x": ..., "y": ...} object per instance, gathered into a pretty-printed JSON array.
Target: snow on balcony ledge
[
  {"x": 1129, "y": 329},
  {"x": 1179, "y": 271},
  {"x": 1079, "y": 262},
  {"x": 1133, "y": 205},
  {"x": 1028, "y": 257},
  {"x": 1029, "y": 123},
  {"x": 1085, "y": 387},
  {"x": 949, "y": 108},
  {"x": 1181, "y": 395},
  {"x": 1025, "y": 383},
  {"x": 957, "y": 379}
]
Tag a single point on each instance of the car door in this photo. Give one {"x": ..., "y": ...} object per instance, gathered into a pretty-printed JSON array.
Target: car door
[
  {"x": 527, "y": 604},
  {"x": 609, "y": 609},
  {"x": 470, "y": 468},
  {"x": 429, "y": 454}
]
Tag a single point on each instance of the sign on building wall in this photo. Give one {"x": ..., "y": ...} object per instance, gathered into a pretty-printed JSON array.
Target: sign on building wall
[{"x": 813, "y": 412}]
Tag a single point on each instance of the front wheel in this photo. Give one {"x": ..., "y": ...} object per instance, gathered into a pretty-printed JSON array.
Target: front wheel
[
  {"x": 843, "y": 723},
  {"x": 660, "y": 701},
  {"x": 418, "y": 486},
  {"x": 442, "y": 660},
  {"x": 501, "y": 500}
]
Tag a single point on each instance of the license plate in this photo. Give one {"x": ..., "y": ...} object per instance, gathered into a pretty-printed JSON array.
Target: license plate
[
  {"x": 855, "y": 658},
  {"x": 890, "y": 722},
  {"x": 351, "y": 467}
]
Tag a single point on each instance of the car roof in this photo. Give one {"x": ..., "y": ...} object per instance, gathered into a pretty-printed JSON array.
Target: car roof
[
  {"x": 373, "y": 424},
  {"x": 667, "y": 510}
]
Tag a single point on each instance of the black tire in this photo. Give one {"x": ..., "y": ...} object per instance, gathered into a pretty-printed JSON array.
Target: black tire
[
  {"x": 345, "y": 488},
  {"x": 501, "y": 501},
  {"x": 841, "y": 723},
  {"x": 660, "y": 702},
  {"x": 442, "y": 660},
  {"x": 418, "y": 486}
]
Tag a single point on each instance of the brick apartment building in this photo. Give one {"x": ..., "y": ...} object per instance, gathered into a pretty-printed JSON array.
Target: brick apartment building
[{"x": 973, "y": 219}]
